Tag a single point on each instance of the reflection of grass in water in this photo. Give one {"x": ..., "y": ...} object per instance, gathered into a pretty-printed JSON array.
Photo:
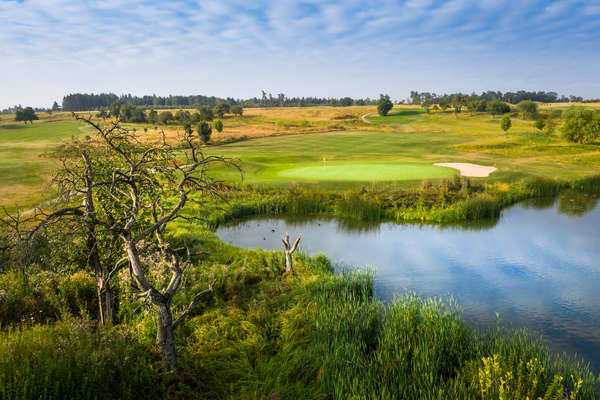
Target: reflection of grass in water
[
  {"x": 576, "y": 204},
  {"x": 539, "y": 203},
  {"x": 570, "y": 202}
]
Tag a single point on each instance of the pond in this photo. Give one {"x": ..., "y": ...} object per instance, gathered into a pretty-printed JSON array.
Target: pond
[{"x": 537, "y": 267}]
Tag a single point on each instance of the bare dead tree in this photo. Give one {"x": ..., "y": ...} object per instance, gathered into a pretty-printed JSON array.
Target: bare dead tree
[
  {"x": 154, "y": 183},
  {"x": 133, "y": 190},
  {"x": 289, "y": 250},
  {"x": 80, "y": 177}
]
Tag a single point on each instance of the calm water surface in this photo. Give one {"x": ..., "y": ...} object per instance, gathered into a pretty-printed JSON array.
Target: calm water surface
[{"x": 538, "y": 266}]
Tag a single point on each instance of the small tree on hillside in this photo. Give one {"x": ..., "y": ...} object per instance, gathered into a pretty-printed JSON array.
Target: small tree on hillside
[
  {"x": 497, "y": 107},
  {"x": 237, "y": 110},
  {"x": 152, "y": 117},
  {"x": 581, "y": 126},
  {"x": 444, "y": 104},
  {"x": 221, "y": 109},
  {"x": 482, "y": 106},
  {"x": 459, "y": 101},
  {"x": 528, "y": 108},
  {"x": 550, "y": 126},
  {"x": 384, "y": 105},
  {"x": 505, "y": 123},
  {"x": 183, "y": 116},
  {"x": 205, "y": 131},
  {"x": 472, "y": 106},
  {"x": 206, "y": 113},
  {"x": 137, "y": 114},
  {"x": 164, "y": 117},
  {"x": 115, "y": 109},
  {"x": 427, "y": 103},
  {"x": 26, "y": 114},
  {"x": 218, "y": 125},
  {"x": 540, "y": 123},
  {"x": 55, "y": 107}
]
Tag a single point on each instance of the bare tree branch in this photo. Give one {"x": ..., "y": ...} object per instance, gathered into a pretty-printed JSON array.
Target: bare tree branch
[{"x": 193, "y": 303}]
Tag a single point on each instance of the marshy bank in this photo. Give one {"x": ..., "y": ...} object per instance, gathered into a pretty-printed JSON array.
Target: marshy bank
[
  {"x": 536, "y": 267},
  {"x": 455, "y": 200}
]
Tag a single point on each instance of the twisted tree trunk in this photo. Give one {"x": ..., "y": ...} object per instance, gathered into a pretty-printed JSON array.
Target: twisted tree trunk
[
  {"x": 104, "y": 290},
  {"x": 165, "y": 335}
]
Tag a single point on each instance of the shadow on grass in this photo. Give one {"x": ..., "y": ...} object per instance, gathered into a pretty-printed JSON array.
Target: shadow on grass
[
  {"x": 405, "y": 113},
  {"x": 12, "y": 126}
]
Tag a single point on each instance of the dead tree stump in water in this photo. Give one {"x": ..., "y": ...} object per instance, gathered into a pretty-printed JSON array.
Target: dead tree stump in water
[{"x": 289, "y": 250}]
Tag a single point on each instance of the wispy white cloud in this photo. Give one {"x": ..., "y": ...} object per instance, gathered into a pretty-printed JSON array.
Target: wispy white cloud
[{"x": 318, "y": 44}]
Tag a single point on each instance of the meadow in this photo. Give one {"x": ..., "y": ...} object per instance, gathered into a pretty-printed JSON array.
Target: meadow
[
  {"x": 26, "y": 163},
  {"x": 273, "y": 143}
]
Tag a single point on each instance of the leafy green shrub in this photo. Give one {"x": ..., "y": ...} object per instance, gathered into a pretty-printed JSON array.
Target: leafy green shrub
[
  {"x": 505, "y": 123},
  {"x": 497, "y": 107},
  {"x": 384, "y": 105},
  {"x": 218, "y": 125},
  {"x": 581, "y": 126},
  {"x": 528, "y": 108}
]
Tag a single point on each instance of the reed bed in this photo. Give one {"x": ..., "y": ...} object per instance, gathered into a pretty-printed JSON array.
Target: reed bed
[{"x": 69, "y": 360}]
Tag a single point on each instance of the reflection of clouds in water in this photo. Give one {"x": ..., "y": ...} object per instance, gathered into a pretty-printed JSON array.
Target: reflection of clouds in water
[{"x": 537, "y": 268}]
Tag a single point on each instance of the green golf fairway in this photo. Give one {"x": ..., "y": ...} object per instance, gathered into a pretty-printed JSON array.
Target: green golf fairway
[{"x": 366, "y": 172}]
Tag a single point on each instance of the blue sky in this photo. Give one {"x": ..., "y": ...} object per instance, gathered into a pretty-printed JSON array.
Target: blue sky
[{"x": 355, "y": 48}]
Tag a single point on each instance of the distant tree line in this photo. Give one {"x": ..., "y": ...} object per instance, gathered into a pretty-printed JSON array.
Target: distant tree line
[
  {"x": 91, "y": 101},
  {"x": 490, "y": 95},
  {"x": 281, "y": 100},
  {"x": 203, "y": 115},
  {"x": 17, "y": 108},
  {"x": 85, "y": 101}
]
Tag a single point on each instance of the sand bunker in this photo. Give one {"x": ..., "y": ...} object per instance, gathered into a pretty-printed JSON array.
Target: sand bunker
[{"x": 467, "y": 169}]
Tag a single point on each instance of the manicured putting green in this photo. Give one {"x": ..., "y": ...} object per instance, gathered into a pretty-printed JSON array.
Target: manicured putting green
[{"x": 361, "y": 171}]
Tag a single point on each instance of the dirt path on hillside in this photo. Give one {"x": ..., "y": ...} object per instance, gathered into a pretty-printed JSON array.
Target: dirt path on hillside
[{"x": 364, "y": 117}]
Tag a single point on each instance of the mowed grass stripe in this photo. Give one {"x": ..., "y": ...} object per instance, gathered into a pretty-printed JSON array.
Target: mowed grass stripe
[{"x": 366, "y": 171}]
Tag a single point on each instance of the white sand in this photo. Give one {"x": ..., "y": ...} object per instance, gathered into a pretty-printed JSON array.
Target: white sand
[{"x": 467, "y": 169}]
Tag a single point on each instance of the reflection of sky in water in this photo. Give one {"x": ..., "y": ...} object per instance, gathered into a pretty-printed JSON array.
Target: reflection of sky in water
[{"x": 538, "y": 269}]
